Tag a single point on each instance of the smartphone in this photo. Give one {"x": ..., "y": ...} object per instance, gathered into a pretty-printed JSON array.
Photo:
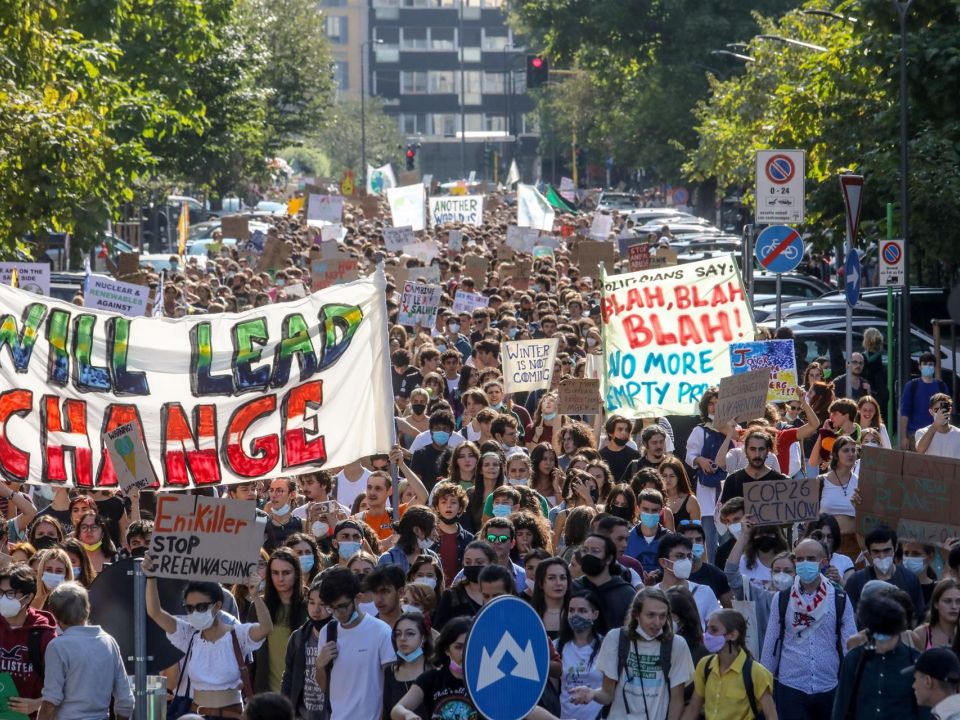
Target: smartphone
[{"x": 326, "y": 507}]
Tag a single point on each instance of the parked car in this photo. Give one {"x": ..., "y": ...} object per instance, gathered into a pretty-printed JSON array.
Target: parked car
[
  {"x": 793, "y": 286},
  {"x": 618, "y": 201},
  {"x": 926, "y": 303}
]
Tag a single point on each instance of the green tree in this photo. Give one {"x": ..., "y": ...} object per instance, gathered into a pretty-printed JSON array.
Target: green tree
[{"x": 339, "y": 140}]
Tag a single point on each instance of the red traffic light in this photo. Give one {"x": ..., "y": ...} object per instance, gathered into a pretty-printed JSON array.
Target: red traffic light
[
  {"x": 537, "y": 62},
  {"x": 411, "y": 153}
]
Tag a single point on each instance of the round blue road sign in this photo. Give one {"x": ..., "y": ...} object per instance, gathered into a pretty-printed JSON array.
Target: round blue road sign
[
  {"x": 507, "y": 659},
  {"x": 779, "y": 248}
]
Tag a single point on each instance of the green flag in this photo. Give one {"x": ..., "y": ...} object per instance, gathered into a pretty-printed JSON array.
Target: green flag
[{"x": 557, "y": 201}]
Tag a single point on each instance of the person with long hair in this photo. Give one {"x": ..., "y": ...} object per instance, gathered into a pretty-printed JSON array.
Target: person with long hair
[
  {"x": 575, "y": 529},
  {"x": 600, "y": 472},
  {"x": 94, "y": 537},
  {"x": 416, "y": 535},
  {"x": 45, "y": 532},
  {"x": 427, "y": 572},
  {"x": 676, "y": 491},
  {"x": 579, "y": 490},
  {"x": 299, "y": 679},
  {"x": 551, "y": 589},
  {"x": 463, "y": 597},
  {"x": 547, "y": 420},
  {"x": 573, "y": 438},
  {"x": 943, "y": 615},
  {"x": 286, "y": 602},
  {"x": 462, "y": 468},
  {"x": 488, "y": 479},
  {"x": 440, "y": 691},
  {"x": 546, "y": 477},
  {"x": 307, "y": 552},
  {"x": 838, "y": 493},
  {"x": 826, "y": 529},
  {"x": 413, "y": 643},
  {"x": 813, "y": 373},
  {"x": 622, "y": 502},
  {"x": 718, "y": 693},
  {"x": 579, "y": 647},
  {"x": 82, "y": 569},
  {"x": 51, "y": 568},
  {"x": 870, "y": 416},
  {"x": 532, "y": 531},
  {"x": 686, "y": 622}
]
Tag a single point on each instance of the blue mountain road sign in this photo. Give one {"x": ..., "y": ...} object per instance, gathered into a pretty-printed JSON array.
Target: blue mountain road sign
[{"x": 507, "y": 659}]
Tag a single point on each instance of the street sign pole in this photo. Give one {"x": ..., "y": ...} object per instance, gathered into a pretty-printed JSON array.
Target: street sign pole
[
  {"x": 852, "y": 188},
  {"x": 891, "y": 390},
  {"x": 779, "y": 302}
]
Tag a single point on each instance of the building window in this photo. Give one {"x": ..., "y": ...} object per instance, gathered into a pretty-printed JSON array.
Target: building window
[
  {"x": 390, "y": 37},
  {"x": 493, "y": 83},
  {"x": 386, "y": 83},
  {"x": 495, "y": 123},
  {"x": 444, "y": 124},
  {"x": 474, "y": 122},
  {"x": 341, "y": 74},
  {"x": 412, "y": 124},
  {"x": 473, "y": 80},
  {"x": 442, "y": 82},
  {"x": 495, "y": 38},
  {"x": 386, "y": 3},
  {"x": 413, "y": 38},
  {"x": 413, "y": 83},
  {"x": 337, "y": 29},
  {"x": 443, "y": 39},
  {"x": 333, "y": 3}
]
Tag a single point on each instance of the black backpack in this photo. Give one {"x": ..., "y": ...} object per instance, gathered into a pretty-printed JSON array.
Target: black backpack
[
  {"x": 623, "y": 650},
  {"x": 747, "y": 683},
  {"x": 783, "y": 599}
]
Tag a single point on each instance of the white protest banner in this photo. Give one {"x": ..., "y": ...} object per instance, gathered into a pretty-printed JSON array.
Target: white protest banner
[
  {"x": 407, "y": 206},
  {"x": 467, "y": 209},
  {"x": 380, "y": 179},
  {"x": 465, "y": 302},
  {"x": 129, "y": 457},
  {"x": 209, "y": 539},
  {"x": 333, "y": 233},
  {"x": 666, "y": 334},
  {"x": 522, "y": 239},
  {"x": 419, "y": 304},
  {"x": 455, "y": 240},
  {"x": 396, "y": 237},
  {"x": 104, "y": 293},
  {"x": 600, "y": 229},
  {"x": 424, "y": 251},
  {"x": 32, "y": 277},
  {"x": 528, "y": 364},
  {"x": 328, "y": 208},
  {"x": 533, "y": 210},
  {"x": 226, "y": 398}
]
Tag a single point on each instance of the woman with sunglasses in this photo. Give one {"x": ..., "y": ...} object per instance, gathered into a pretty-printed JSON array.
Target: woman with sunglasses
[
  {"x": 213, "y": 651},
  {"x": 93, "y": 535}
]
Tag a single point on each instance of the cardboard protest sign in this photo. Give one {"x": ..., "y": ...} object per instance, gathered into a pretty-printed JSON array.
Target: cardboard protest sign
[
  {"x": 467, "y": 210},
  {"x": 127, "y": 264},
  {"x": 518, "y": 273},
  {"x": 275, "y": 254},
  {"x": 587, "y": 254},
  {"x": 639, "y": 257},
  {"x": 411, "y": 177},
  {"x": 464, "y": 302},
  {"x": 666, "y": 334},
  {"x": 129, "y": 457},
  {"x": 475, "y": 266},
  {"x": 419, "y": 304},
  {"x": 781, "y": 502},
  {"x": 916, "y": 495},
  {"x": 326, "y": 208},
  {"x": 579, "y": 396},
  {"x": 103, "y": 293},
  {"x": 203, "y": 538},
  {"x": 505, "y": 252},
  {"x": 219, "y": 399},
  {"x": 395, "y": 238},
  {"x": 370, "y": 207},
  {"x": 407, "y": 206},
  {"x": 663, "y": 257},
  {"x": 425, "y": 251},
  {"x": 333, "y": 233},
  {"x": 235, "y": 226},
  {"x": 331, "y": 266},
  {"x": 601, "y": 226},
  {"x": 742, "y": 397},
  {"x": 522, "y": 239},
  {"x": 528, "y": 364},
  {"x": 625, "y": 242},
  {"x": 777, "y": 356},
  {"x": 32, "y": 277},
  {"x": 295, "y": 205},
  {"x": 455, "y": 240}
]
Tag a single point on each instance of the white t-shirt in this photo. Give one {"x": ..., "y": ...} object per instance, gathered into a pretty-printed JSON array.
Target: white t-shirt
[
  {"x": 842, "y": 563},
  {"x": 642, "y": 677},
  {"x": 579, "y": 671},
  {"x": 212, "y": 665},
  {"x": 943, "y": 444},
  {"x": 759, "y": 574},
  {"x": 705, "y": 599},
  {"x": 424, "y": 439},
  {"x": 356, "y": 682},
  {"x": 737, "y": 460},
  {"x": 348, "y": 490}
]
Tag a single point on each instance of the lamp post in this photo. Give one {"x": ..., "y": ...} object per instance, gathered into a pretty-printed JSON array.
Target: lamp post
[
  {"x": 363, "y": 108},
  {"x": 794, "y": 43},
  {"x": 734, "y": 55},
  {"x": 463, "y": 99},
  {"x": 903, "y": 7},
  {"x": 507, "y": 98}
]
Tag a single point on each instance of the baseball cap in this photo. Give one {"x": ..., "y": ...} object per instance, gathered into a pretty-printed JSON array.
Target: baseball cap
[{"x": 940, "y": 663}]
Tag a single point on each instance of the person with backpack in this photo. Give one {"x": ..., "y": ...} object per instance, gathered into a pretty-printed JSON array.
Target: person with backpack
[
  {"x": 806, "y": 637},
  {"x": 915, "y": 401},
  {"x": 645, "y": 666},
  {"x": 702, "y": 446},
  {"x": 729, "y": 684}
]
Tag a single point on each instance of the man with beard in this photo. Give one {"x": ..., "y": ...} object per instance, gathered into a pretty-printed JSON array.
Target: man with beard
[
  {"x": 756, "y": 445},
  {"x": 615, "y": 452},
  {"x": 598, "y": 560},
  {"x": 653, "y": 449}
]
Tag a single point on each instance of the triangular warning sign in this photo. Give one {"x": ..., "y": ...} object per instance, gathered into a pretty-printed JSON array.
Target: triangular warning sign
[{"x": 852, "y": 188}]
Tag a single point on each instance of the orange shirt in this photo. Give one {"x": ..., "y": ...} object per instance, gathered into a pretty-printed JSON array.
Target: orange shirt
[{"x": 382, "y": 524}]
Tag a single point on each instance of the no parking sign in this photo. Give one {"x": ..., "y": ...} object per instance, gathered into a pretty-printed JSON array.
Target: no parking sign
[{"x": 891, "y": 263}]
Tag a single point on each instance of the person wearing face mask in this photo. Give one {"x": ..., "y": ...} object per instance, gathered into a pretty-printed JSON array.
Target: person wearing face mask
[
  {"x": 425, "y": 573},
  {"x": 213, "y": 651},
  {"x": 643, "y": 540},
  {"x": 579, "y": 648},
  {"x": 355, "y": 650},
  {"x": 25, "y": 633},
  {"x": 503, "y": 502},
  {"x": 615, "y": 451},
  {"x": 51, "y": 568},
  {"x": 881, "y": 544},
  {"x": 647, "y": 643},
  {"x": 463, "y": 597},
  {"x": 413, "y": 643},
  {"x": 675, "y": 557},
  {"x": 601, "y": 576},
  {"x": 729, "y": 683},
  {"x": 417, "y": 422},
  {"x": 425, "y": 462},
  {"x": 917, "y": 558},
  {"x": 731, "y": 522},
  {"x": 417, "y": 536},
  {"x": 347, "y": 540},
  {"x": 307, "y": 552},
  {"x": 449, "y": 502},
  {"x": 281, "y": 522},
  {"x": 702, "y": 446},
  {"x": 806, "y": 638},
  {"x": 703, "y": 572},
  {"x": 915, "y": 401},
  {"x": 872, "y": 679},
  {"x": 299, "y": 683}
]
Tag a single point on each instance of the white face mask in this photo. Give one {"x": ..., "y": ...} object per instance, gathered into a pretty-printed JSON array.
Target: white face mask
[
  {"x": 881, "y": 565},
  {"x": 409, "y": 609},
  {"x": 52, "y": 580},
  {"x": 9, "y": 607},
  {"x": 425, "y": 543},
  {"x": 782, "y": 580},
  {"x": 430, "y": 582},
  {"x": 320, "y": 529},
  {"x": 682, "y": 568},
  {"x": 200, "y": 620}
]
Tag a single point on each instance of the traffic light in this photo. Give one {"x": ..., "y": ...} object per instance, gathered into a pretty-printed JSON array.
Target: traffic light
[
  {"x": 538, "y": 71},
  {"x": 411, "y": 157}
]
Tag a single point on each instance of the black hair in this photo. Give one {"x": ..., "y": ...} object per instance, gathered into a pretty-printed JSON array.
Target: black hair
[
  {"x": 689, "y": 625},
  {"x": 441, "y": 418},
  {"x": 879, "y": 535},
  {"x": 298, "y": 538},
  {"x": 268, "y": 706},
  {"x": 566, "y": 632},
  {"x": 139, "y": 528},
  {"x": 452, "y": 629},
  {"x": 670, "y": 541},
  {"x": 539, "y": 601},
  {"x": 498, "y": 573},
  {"x": 384, "y": 576},
  {"x": 22, "y": 578},
  {"x": 417, "y": 516},
  {"x": 831, "y": 522},
  {"x": 295, "y": 617},
  {"x": 420, "y": 621},
  {"x": 211, "y": 589},
  {"x": 879, "y": 612},
  {"x": 338, "y": 582},
  {"x": 609, "y": 550}
]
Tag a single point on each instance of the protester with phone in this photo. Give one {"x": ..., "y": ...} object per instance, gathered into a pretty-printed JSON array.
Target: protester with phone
[{"x": 939, "y": 437}]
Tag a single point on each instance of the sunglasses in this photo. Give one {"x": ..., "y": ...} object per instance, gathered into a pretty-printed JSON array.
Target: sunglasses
[
  {"x": 690, "y": 523},
  {"x": 199, "y": 607},
  {"x": 498, "y": 538}
]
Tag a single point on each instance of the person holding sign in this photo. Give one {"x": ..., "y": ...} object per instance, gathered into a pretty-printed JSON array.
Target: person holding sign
[
  {"x": 214, "y": 668},
  {"x": 839, "y": 493}
]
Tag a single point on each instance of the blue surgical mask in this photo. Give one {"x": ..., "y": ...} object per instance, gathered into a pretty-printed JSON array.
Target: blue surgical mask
[
  {"x": 913, "y": 564},
  {"x": 307, "y": 562},
  {"x": 502, "y": 510},
  {"x": 441, "y": 437},
  {"x": 650, "y": 520},
  {"x": 512, "y": 333},
  {"x": 698, "y": 550},
  {"x": 927, "y": 372},
  {"x": 76, "y": 573},
  {"x": 808, "y": 570},
  {"x": 348, "y": 549},
  {"x": 353, "y": 618},
  {"x": 410, "y": 657},
  {"x": 881, "y": 637},
  {"x": 282, "y": 510},
  {"x": 549, "y": 416}
]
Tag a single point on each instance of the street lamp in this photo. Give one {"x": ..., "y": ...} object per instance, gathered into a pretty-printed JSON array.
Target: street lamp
[
  {"x": 734, "y": 55},
  {"x": 791, "y": 41},
  {"x": 363, "y": 109},
  {"x": 903, "y": 7},
  {"x": 830, "y": 14}
]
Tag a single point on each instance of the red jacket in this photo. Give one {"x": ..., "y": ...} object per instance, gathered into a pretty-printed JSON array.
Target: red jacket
[{"x": 15, "y": 653}]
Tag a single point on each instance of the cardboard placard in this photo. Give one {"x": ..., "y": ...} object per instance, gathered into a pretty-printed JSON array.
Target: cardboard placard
[
  {"x": 528, "y": 364},
  {"x": 579, "y": 396},
  {"x": 202, "y": 538},
  {"x": 128, "y": 264},
  {"x": 33, "y": 277},
  {"x": 916, "y": 495},
  {"x": 411, "y": 177},
  {"x": 370, "y": 207},
  {"x": 103, "y": 293},
  {"x": 234, "y": 226},
  {"x": 275, "y": 254},
  {"x": 331, "y": 266},
  {"x": 639, "y": 257},
  {"x": 781, "y": 502},
  {"x": 475, "y": 267},
  {"x": 587, "y": 254},
  {"x": 419, "y": 304},
  {"x": 664, "y": 257},
  {"x": 742, "y": 397},
  {"x": 455, "y": 240},
  {"x": 394, "y": 239},
  {"x": 522, "y": 239},
  {"x": 464, "y": 302},
  {"x": 505, "y": 252},
  {"x": 129, "y": 457}
]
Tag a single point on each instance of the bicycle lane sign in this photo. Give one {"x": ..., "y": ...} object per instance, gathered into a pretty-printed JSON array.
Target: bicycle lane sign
[{"x": 779, "y": 248}]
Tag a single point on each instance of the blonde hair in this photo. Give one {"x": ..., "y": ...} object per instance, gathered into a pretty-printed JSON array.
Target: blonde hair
[
  {"x": 42, "y": 558},
  {"x": 872, "y": 340}
]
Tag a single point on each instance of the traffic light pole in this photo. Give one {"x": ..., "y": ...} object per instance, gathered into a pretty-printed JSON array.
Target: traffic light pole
[
  {"x": 903, "y": 7},
  {"x": 463, "y": 100}
]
